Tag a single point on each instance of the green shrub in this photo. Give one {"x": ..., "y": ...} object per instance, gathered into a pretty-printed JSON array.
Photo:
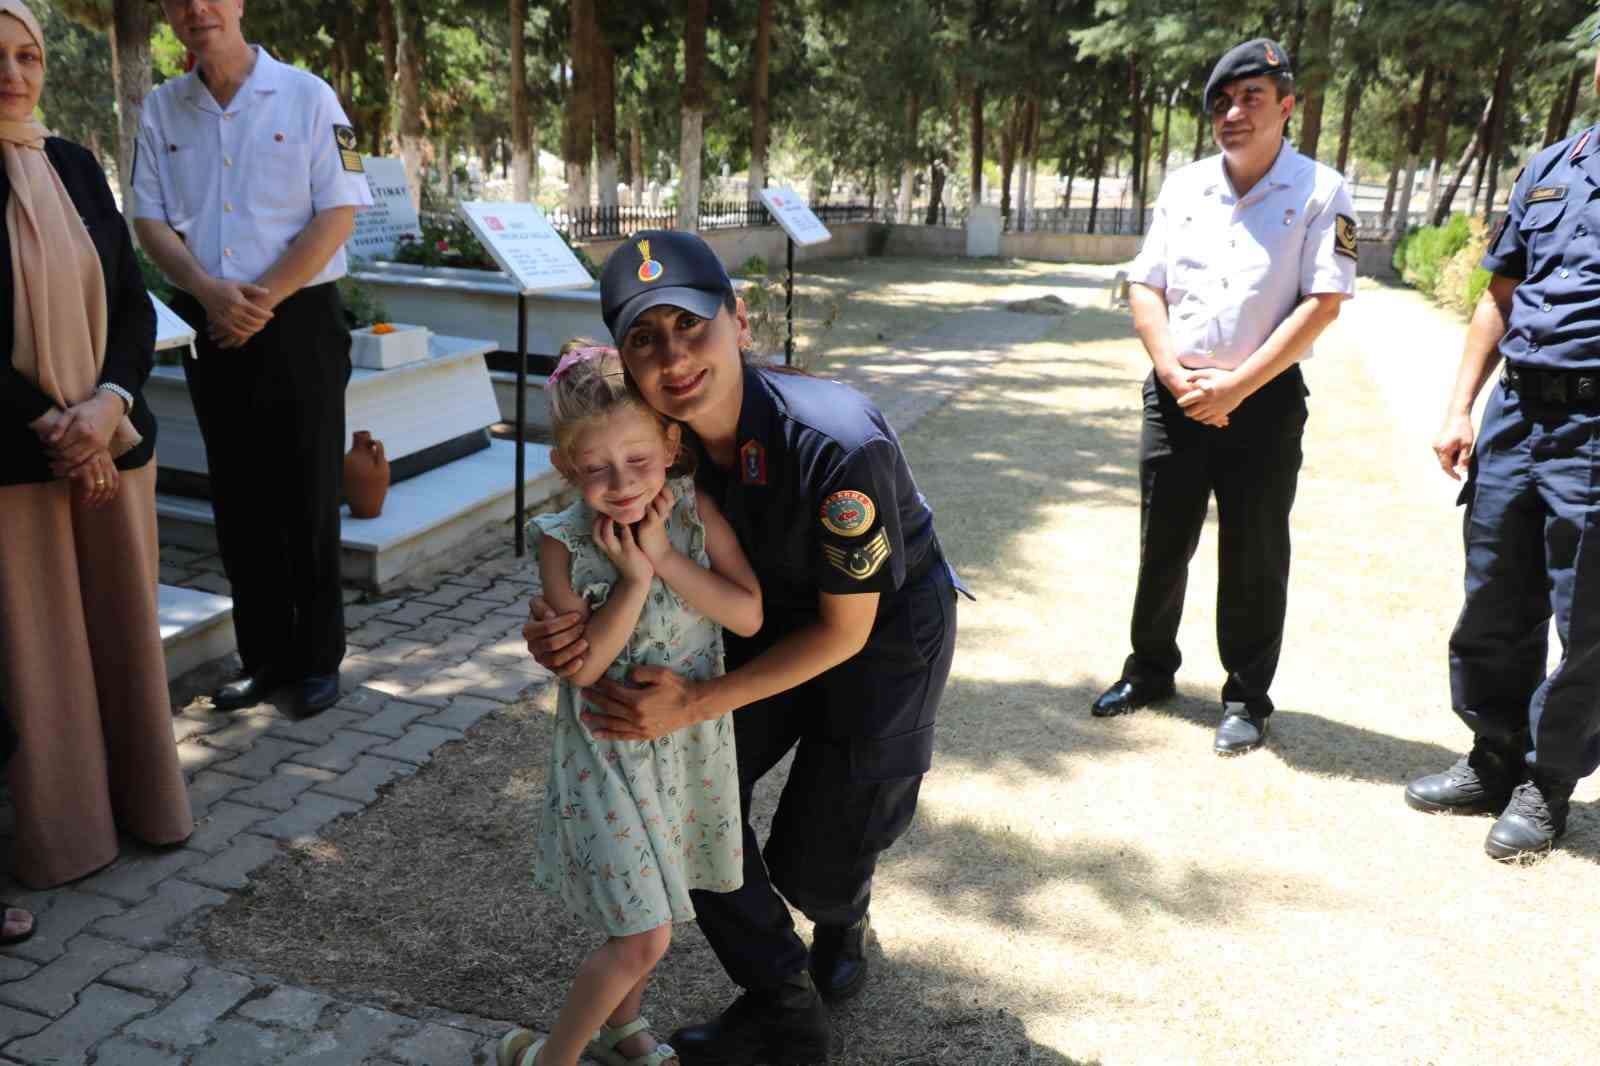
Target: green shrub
[
  {"x": 1477, "y": 284},
  {"x": 1429, "y": 249},
  {"x": 360, "y": 304},
  {"x": 447, "y": 242},
  {"x": 754, "y": 267}
]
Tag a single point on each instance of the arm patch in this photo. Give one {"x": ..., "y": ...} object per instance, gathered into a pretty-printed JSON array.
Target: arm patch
[
  {"x": 860, "y": 562},
  {"x": 345, "y": 138},
  {"x": 1344, "y": 237}
]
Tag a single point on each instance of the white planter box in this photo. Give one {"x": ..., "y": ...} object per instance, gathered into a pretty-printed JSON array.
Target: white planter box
[{"x": 384, "y": 351}]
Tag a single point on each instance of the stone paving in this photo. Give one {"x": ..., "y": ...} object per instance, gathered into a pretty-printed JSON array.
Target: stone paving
[{"x": 112, "y": 977}]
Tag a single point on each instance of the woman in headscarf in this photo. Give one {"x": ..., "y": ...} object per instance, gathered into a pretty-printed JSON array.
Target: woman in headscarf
[{"x": 82, "y": 672}]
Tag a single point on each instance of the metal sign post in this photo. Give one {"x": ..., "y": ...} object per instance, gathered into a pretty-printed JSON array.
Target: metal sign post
[
  {"x": 803, "y": 227},
  {"x": 528, "y": 249}
]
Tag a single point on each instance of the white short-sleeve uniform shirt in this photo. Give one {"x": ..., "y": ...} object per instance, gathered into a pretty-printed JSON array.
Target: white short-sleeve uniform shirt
[
  {"x": 240, "y": 183},
  {"x": 1234, "y": 267}
]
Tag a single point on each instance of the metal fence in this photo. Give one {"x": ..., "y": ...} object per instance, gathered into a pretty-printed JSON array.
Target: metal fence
[
  {"x": 601, "y": 223},
  {"x": 1109, "y": 220}
]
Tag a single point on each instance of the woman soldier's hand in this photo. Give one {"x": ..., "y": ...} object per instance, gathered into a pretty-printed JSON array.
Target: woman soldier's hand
[
  {"x": 555, "y": 640},
  {"x": 660, "y": 702}
]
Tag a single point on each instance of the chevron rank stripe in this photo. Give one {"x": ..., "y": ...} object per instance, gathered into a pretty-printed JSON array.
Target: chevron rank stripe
[{"x": 859, "y": 562}]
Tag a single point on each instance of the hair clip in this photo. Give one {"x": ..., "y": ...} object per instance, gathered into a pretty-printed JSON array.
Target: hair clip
[{"x": 576, "y": 356}]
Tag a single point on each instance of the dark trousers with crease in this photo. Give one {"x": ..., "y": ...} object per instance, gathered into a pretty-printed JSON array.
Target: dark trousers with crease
[
  {"x": 1252, "y": 467},
  {"x": 272, "y": 417},
  {"x": 1532, "y": 535},
  {"x": 863, "y": 735}
]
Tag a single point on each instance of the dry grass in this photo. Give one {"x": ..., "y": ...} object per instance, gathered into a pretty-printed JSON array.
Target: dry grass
[{"x": 1074, "y": 890}]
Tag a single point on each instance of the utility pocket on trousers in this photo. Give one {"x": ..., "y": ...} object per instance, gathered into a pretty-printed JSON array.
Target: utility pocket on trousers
[{"x": 887, "y": 758}]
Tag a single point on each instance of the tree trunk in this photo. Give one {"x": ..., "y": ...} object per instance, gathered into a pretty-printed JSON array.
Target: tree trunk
[
  {"x": 521, "y": 128},
  {"x": 130, "y": 75},
  {"x": 1562, "y": 109},
  {"x": 1389, "y": 191},
  {"x": 1419, "y": 127},
  {"x": 578, "y": 144},
  {"x": 1502, "y": 93},
  {"x": 760, "y": 98},
  {"x": 389, "y": 45},
  {"x": 1313, "y": 75},
  {"x": 1441, "y": 210},
  {"x": 1010, "y": 138},
  {"x": 1441, "y": 141},
  {"x": 1352, "y": 104},
  {"x": 1099, "y": 165},
  {"x": 691, "y": 140},
  {"x": 1136, "y": 91},
  {"x": 935, "y": 192},
  {"x": 908, "y": 171},
  {"x": 1030, "y": 177},
  {"x": 1166, "y": 134},
  {"x": 1202, "y": 126},
  {"x": 408, "y": 86},
  {"x": 636, "y": 157},
  {"x": 605, "y": 116},
  {"x": 976, "y": 176}
]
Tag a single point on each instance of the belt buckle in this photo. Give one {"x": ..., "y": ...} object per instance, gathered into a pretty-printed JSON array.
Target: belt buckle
[
  {"x": 1553, "y": 388},
  {"x": 1587, "y": 388},
  {"x": 1513, "y": 377}
]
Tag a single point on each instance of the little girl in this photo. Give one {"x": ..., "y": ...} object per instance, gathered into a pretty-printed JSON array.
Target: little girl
[{"x": 629, "y": 827}]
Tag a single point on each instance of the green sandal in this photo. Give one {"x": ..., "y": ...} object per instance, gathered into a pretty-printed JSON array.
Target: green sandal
[
  {"x": 604, "y": 1046},
  {"x": 509, "y": 1051}
]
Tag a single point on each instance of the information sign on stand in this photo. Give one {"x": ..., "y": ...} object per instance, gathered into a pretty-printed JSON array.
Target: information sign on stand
[
  {"x": 171, "y": 331},
  {"x": 392, "y": 217},
  {"x": 529, "y": 249},
  {"x": 790, "y": 210}
]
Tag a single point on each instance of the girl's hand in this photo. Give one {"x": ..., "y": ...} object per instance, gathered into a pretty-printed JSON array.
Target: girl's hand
[
  {"x": 96, "y": 481},
  {"x": 617, "y": 543},
  {"x": 652, "y": 528}
]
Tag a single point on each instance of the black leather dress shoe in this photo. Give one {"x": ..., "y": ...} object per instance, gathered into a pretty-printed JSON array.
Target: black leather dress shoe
[
  {"x": 1127, "y": 696},
  {"x": 784, "y": 1026},
  {"x": 246, "y": 691},
  {"x": 839, "y": 960},
  {"x": 1480, "y": 782},
  {"x": 1243, "y": 729},
  {"x": 317, "y": 693},
  {"x": 1533, "y": 821}
]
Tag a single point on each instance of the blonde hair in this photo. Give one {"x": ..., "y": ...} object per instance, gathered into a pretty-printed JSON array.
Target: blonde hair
[{"x": 590, "y": 382}]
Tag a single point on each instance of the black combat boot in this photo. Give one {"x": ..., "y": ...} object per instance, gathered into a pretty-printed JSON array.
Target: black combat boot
[
  {"x": 839, "y": 959},
  {"x": 783, "y": 1026},
  {"x": 1533, "y": 820},
  {"x": 1479, "y": 783}
]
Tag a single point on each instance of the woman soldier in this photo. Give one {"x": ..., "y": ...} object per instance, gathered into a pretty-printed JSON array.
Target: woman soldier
[{"x": 848, "y": 668}]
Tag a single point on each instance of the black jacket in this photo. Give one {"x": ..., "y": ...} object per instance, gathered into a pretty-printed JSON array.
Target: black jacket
[{"x": 130, "y": 322}]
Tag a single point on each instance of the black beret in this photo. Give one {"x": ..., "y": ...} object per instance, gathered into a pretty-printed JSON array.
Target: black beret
[
  {"x": 1260, "y": 56},
  {"x": 656, "y": 267}
]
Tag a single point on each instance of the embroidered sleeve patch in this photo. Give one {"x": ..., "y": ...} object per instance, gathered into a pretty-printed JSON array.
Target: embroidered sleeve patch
[
  {"x": 1541, "y": 193},
  {"x": 1344, "y": 237},
  {"x": 349, "y": 154},
  {"x": 848, "y": 513},
  {"x": 860, "y": 562}
]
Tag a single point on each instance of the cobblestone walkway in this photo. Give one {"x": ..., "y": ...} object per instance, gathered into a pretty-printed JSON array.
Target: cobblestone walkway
[{"x": 112, "y": 978}]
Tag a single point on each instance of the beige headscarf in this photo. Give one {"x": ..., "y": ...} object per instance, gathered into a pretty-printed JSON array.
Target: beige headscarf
[{"x": 60, "y": 289}]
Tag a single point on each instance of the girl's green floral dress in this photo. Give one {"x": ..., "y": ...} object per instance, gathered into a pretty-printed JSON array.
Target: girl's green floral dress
[{"x": 629, "y": 827}]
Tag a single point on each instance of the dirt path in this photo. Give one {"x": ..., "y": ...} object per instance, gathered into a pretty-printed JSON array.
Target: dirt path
[{"x": 1078, "y": 891}]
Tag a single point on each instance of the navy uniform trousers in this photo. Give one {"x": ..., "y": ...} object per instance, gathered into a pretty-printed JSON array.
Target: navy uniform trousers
[
  {"x": 1253, "y": 468},
  {"x": 864, "y": 732},
  {"x": 272, "y": 416},
  {"x": 1532, "y": 533}
]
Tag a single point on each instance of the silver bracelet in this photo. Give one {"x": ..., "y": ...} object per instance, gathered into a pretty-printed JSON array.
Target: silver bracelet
[{"x": 119, "y": 392}]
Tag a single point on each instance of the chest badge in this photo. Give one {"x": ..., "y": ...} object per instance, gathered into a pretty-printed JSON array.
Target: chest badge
[
  {"x": 848, "y": 513},
  {"x": 752, "y": 463}
]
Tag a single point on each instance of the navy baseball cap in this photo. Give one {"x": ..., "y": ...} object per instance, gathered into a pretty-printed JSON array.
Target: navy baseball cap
[
  {"x": 658, "y": 267},
  {"x": 1260, "y": 56}
]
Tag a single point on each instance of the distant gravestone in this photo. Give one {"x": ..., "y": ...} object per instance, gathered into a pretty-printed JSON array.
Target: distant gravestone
[
  {"x": 379, "y": 228},
  {"x": 983, "y": 231}
]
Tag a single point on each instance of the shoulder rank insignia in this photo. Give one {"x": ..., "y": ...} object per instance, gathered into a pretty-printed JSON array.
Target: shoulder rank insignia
[
  {"x": 1541, "y": 193},
  {"x": 1344, "y": 237},
  {"x": 848, "y": 513},
  {"x": 752, "y": 463},
  {"x": 860, "y": 562},
  {"x": 349, "y": 156},
  {"x": 1583, "y": 142}
]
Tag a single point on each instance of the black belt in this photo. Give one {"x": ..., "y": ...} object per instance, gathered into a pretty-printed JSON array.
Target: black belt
[{"x": 1570, "y": 387}]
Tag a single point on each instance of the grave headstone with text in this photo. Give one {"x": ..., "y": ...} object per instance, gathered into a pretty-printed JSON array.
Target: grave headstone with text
[{"x": 380, "y": 228}]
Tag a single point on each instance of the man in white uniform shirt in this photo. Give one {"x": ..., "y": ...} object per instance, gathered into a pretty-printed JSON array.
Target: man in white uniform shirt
[
  {"x": 245, "y": 187},
  {"x": 1248, "y": 258}
]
